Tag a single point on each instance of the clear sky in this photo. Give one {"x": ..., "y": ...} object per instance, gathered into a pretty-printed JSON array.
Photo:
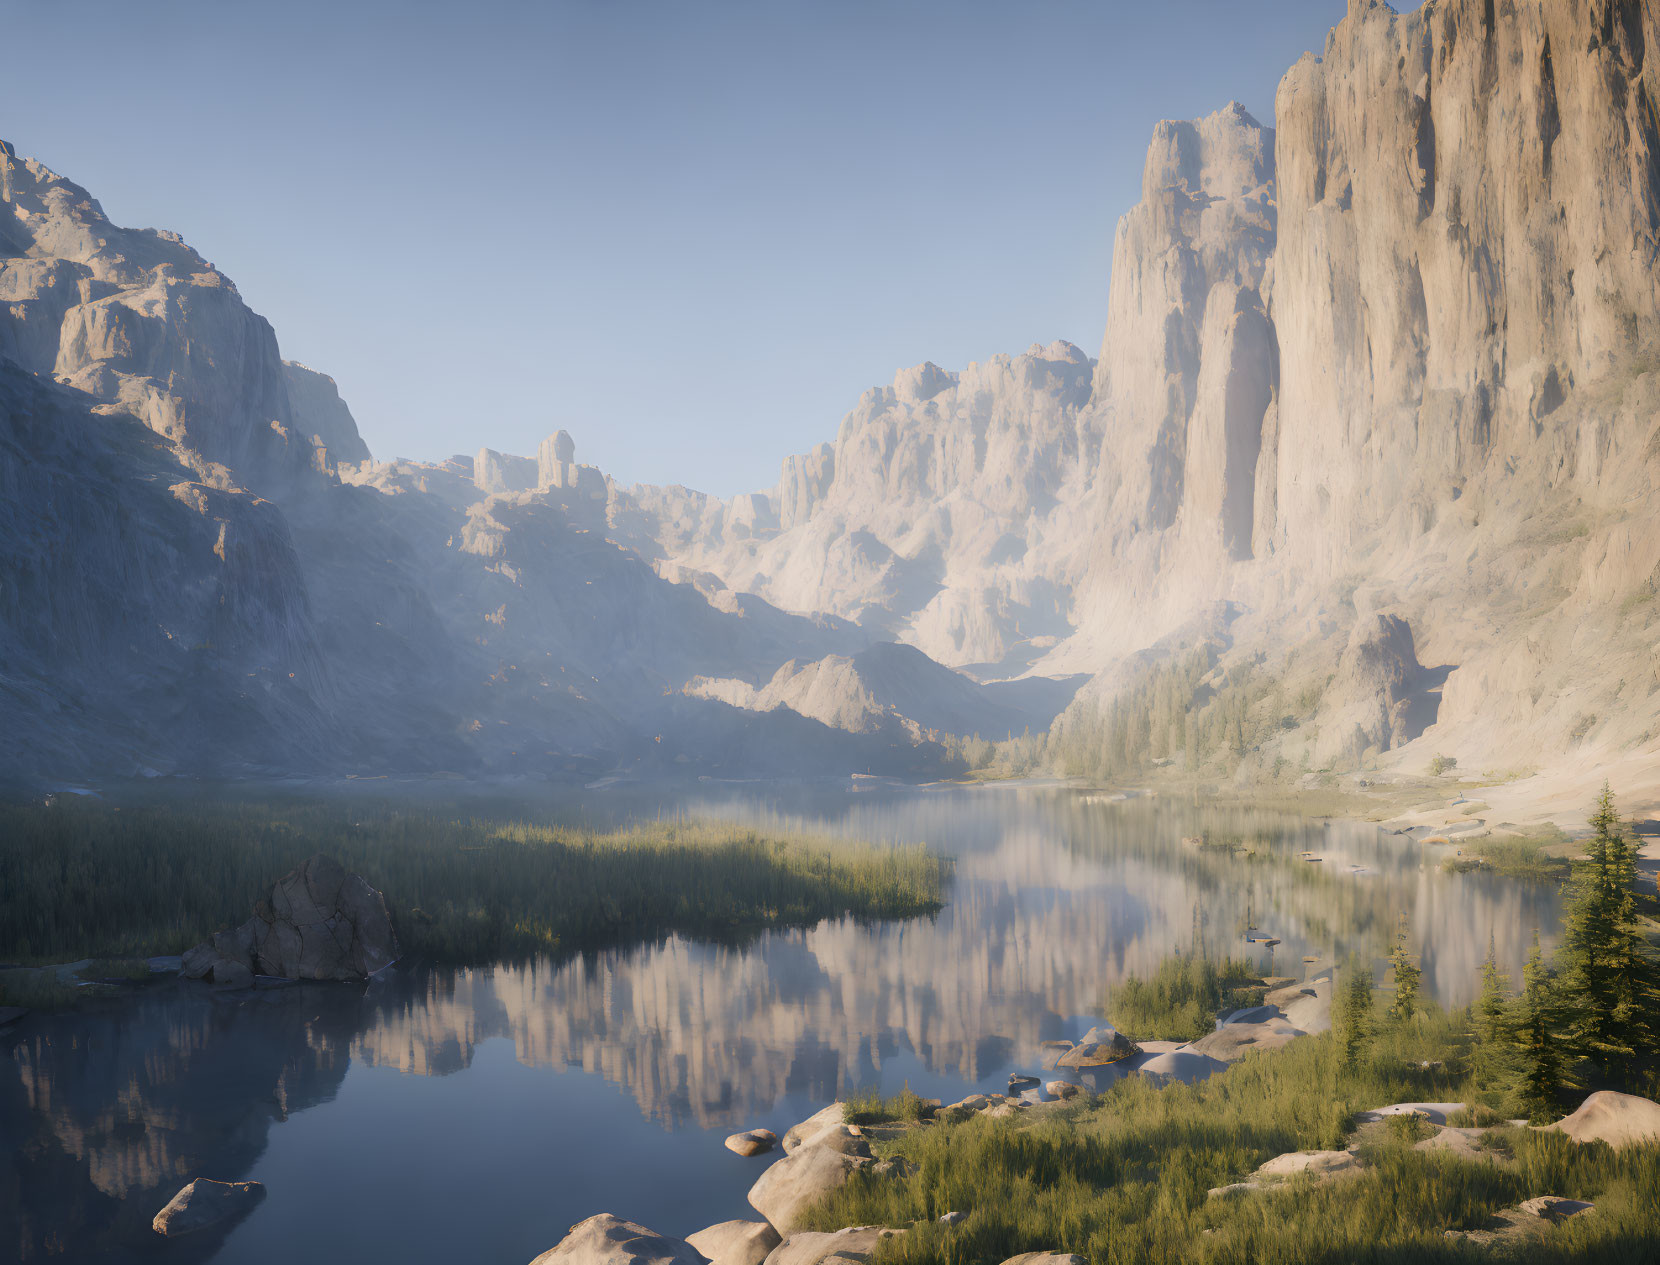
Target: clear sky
[{"x": 690, "y": 233}]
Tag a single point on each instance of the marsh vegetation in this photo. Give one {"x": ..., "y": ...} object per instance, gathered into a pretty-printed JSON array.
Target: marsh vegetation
[{"x": 81, "y": 880}]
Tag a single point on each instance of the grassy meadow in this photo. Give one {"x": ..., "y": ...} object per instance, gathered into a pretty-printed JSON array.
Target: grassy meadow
[
  {"x": 84, "y": 879},
  {"x": 1124, "y": 1178}
]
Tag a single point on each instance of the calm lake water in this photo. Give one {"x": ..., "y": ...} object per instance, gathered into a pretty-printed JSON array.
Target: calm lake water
[{"x": 474, "y": 1115}]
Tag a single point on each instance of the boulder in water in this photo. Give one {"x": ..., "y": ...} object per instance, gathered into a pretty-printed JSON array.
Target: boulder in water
[
  {"x": 1101, "y": 1046},
  {"x": 205, "y": 1202},
  {"x": 752, "y": 1142}
]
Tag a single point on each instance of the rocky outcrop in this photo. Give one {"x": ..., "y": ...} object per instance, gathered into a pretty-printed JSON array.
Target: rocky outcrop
[
  {"x": 1099, "y": 1047},
  {"x": 811, "y": 1247},
  {"x": 1367, "y": 706},
  {"x": 321, "y": 415},
  {"x": 319, "y": 923},
  {"x": 793, "y": 1184},
  {"x": 609, "y": 1240},
  {"x": 1618, "y": 1119},
  {"x": 501, "y": 472},
  {"x": 205, "y": 1202}
]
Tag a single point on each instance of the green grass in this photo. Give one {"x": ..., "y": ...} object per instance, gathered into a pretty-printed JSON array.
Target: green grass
[
  {"x": 1524, "y": 857},
  {"x": 1124, "y": 1177},
  {"x": 1182, "y": 998},
  {"x": 37, "y": 990},
  {"x": 869, "y": 1107},
  {"x": 81, "y": 880}
]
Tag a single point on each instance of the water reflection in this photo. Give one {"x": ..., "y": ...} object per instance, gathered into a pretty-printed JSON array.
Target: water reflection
[{"x": 103, "y": 1114}]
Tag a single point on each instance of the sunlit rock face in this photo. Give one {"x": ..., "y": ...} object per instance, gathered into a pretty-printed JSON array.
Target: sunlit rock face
[
  {"x": 1393, "y": 354},
  {"x": 930, "y": 516}
]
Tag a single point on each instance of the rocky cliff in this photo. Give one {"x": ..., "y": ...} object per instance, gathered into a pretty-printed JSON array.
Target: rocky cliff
[
  {"x": 205, "y": 571},
  {"x": 1393, "y": 357},
  {"x": 1365, "y": 471}
]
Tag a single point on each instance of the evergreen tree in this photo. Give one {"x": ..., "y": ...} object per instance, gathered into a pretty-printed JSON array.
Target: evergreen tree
[
  {"x": 1408, "y": 977},
  {"x": 1611, "y": 976},
  {"x": 1537, "y": 1039},
  {"x": 1352, "y": 1015},
  {"x": 1492, "y": 1006}
]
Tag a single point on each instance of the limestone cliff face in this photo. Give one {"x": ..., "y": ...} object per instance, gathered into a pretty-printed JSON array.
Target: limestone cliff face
[
  {"x": 1391, "y": 358},
  {"x": 1469, "y": 203},
  {"x": 940, "y": 516},
  {"x": 1186, "y": 368}
]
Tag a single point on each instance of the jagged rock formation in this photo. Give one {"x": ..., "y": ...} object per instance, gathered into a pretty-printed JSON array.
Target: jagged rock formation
[
  {"x": 321, "y": 415},
  {"x": 319, "y": 923},
  {"x": 205, "y": 571},
  {"x": 1395, "y": 354}
]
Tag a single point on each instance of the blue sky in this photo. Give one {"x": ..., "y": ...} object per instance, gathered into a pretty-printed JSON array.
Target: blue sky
[{"x": 689, "y": 233}]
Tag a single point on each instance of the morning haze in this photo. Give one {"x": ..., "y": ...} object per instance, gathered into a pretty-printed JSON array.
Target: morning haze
[{"x": 804, "y": 634}]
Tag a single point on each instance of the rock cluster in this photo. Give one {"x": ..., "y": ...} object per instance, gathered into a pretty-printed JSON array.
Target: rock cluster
[{"x": 319, "y": 923}]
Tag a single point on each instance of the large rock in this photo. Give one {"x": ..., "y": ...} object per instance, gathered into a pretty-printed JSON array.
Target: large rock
[
  {"x": 1620, "y": 1120},
  {"x": 793, "y": 1184},
  {"x": 809, "y": 1247},
  {"x": 1367, "y": 707},
  {"x": 752, "y": 1142},
  {"x": 319, "y": 923},
  {"x": 1099, "y": 1047},
  {"x": 1234, "y": 1041},
  {"x": 205, "y": 1202},
  {"x": 735, "y": 1242},
  {"x": 609, "y": 1240},
  {"x": 835, "y": 1113}
]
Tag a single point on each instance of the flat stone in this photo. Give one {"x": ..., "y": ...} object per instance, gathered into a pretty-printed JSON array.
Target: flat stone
[
  {"x": 1553, "y": 1208},
  {"x": 1321, "y": 1163},
  {"x": 1234, "y": 1188},
  {"x": 609, "y": 1240},
  {"x": 814, "y": 1247},
  {"x": 205, "y": 1202},
  {"x": 736, "y": 1242}
]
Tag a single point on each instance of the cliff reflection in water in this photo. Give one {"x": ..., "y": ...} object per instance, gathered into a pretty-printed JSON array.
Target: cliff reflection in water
[
  {"x": 105, "y": 1112},
  {"x": 1044, "y": 913}
]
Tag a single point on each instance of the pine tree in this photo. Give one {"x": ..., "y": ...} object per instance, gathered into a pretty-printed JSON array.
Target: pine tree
[
  {"x": 1352, "y": 1016},
  {"x": 1408, "y": 977},
  {"x": 1536, "y": 1038},
  {"x": 1493, "y": 1054},
  {"x": 1492, "y": 1006},
  {"x": 1610, "y": 973}
]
